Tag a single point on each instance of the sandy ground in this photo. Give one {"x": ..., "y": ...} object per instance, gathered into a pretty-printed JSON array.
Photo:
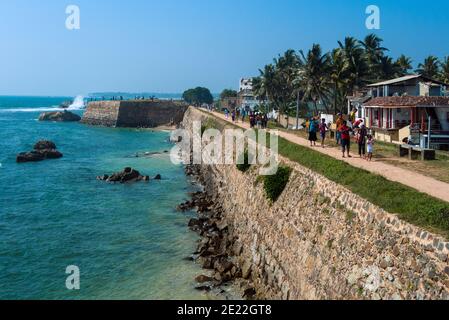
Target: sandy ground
[{"x": 422, "y": 183}]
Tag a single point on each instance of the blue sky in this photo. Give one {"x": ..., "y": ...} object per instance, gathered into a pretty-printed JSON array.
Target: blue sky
[{"x": 171, "y": 45}]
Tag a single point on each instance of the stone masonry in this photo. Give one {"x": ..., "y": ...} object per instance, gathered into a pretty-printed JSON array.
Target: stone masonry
[
  {"x": 134, "y": 113},
  {"x": 321, "y": 241}
]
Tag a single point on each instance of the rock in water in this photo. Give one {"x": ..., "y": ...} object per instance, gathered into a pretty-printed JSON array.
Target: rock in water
[
  {"x": 45, "y": 145},
  {"x": 203, "y": 279},
  {"x": 43, "y": 149},
  {"x": 32, "y": 156},
  {"x": 127, "y": 175},
  {"x": 62, "y": 116},
  {"x": 158, "y": 177},
  {"x": 51, "y": 154}
]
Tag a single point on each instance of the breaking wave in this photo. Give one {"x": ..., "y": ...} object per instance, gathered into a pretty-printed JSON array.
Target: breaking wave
[{"x": 78, "y": 104}]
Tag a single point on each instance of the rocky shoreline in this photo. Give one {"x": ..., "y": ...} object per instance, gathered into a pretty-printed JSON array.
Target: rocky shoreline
[{"x": 217, "y": 251}]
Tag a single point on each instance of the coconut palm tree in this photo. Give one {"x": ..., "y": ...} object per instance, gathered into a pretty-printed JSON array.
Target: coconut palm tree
[
  {"x": 339, "y": 73},
  {"x": 403, "y": 65},
  {"x": 387, "y": 68},
  {"x": 286, "y": 72},
  {"x": 430, "y": 67},
  {"x": 266, "y": 85},
  {"x": 358, "y": 67},
  {"x": 313, "y": 75},
  {"x": 374, "y": 52},
  {"x": 445, "y": 70}
]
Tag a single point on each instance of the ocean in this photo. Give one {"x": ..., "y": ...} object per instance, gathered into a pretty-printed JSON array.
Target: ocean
[{"x": 127, "y": 240}]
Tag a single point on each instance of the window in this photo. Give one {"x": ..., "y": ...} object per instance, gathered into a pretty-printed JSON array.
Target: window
[{"x": 398, "y": 110}]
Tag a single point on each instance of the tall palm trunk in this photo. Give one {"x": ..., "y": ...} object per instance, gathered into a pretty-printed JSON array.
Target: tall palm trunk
[
  {"x": 335, "y": 98},
  {"x": 297, "y": 111}
]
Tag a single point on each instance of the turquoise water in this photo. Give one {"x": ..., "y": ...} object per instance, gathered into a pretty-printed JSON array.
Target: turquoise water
[{"x": 127, "y": 240}]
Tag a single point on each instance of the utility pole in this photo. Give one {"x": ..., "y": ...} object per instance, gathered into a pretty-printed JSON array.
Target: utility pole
[{"x": 429, "y": 132}]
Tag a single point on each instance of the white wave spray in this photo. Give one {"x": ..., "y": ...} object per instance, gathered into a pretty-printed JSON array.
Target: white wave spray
[{"x": 78, "y": 103}]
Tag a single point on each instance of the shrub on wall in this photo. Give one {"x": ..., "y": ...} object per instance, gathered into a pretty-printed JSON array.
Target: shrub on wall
[
  {"x": 207, "y": 124},
  {"x": 274, "y": 185}
]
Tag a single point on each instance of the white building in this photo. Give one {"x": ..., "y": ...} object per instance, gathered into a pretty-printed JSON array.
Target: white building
[{"x": 248, "y": 100}]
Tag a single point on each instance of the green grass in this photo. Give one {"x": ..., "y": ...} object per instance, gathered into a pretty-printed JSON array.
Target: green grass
[{"x": 410, "y": 205}]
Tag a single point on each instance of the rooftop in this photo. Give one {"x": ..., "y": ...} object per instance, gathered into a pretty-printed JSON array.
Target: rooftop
[
  {"x": 407, "y": 101},
  {"x": 404, "y": 79}
]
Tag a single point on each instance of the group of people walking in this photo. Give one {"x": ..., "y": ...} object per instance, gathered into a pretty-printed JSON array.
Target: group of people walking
[
  {"x": 257, "y": 120},
  {"x": 345, "y": 130}
]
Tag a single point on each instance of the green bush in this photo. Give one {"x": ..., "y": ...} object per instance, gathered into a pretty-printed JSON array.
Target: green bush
[
  {"x": 274, "y": 185},
  {"x": 243, "y": 167}
]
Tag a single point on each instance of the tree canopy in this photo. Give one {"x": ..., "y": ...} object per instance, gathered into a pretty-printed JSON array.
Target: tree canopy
[
  {"x": 228, "y": 93},
  {"x": 330, "y": 77},
  {"x": 198, "y": 96}
]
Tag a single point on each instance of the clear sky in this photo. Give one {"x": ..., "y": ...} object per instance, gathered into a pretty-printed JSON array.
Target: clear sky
[{"x": 171, "y": 45}]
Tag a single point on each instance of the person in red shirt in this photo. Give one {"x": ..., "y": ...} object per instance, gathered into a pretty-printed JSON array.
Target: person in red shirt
[{"x": 345, "y": 138}]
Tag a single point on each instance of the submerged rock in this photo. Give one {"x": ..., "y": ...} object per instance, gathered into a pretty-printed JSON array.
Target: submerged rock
[
  {"x": 43, "y": 150},
  {"x": 62, "y": 116}
]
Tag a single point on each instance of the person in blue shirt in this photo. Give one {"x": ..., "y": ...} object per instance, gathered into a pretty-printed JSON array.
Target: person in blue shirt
[{"x": 313, "y": 128}]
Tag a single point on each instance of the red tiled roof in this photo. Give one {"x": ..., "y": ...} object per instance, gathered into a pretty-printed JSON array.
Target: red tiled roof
[{"x": 407, "y": 101}]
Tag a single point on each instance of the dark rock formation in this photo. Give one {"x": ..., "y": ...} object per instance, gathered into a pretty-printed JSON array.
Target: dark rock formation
[
  {"x": 42, "y": 150},
  {"x": 127, "y": 175},
  {"x": 61, "y": 116},
  {"x": 44, "y": 145}
]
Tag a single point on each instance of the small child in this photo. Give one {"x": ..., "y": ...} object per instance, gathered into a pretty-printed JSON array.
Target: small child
[{"x": 370, "y": 147}]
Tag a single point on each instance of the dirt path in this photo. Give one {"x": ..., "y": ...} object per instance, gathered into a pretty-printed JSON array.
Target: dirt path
[{"x": 435, "y": 188}]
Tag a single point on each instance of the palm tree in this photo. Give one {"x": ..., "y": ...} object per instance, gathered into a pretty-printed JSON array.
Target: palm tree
[
  {"x": 286, "y": 71},
  {"x": 445, "y": 70},
  {"x": 430, "y": 67},
  {"x": 374, "y": 53},
  {"x": 358, "y": 67},
  {"x": 387, "y": 68},
  {"x": 266, "y": 85},
  {"x": 312, "y": 75},
  {"x": 403, "y": 65},
  {"x": 339, "y": 72}
]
